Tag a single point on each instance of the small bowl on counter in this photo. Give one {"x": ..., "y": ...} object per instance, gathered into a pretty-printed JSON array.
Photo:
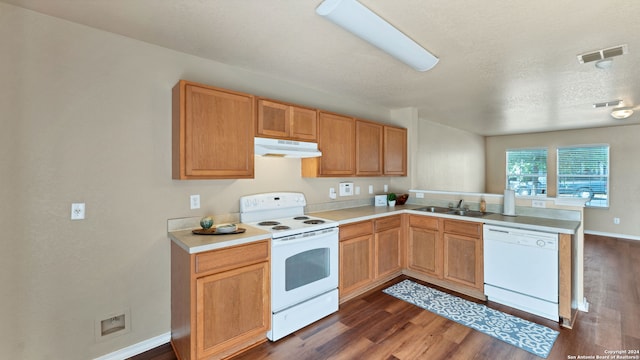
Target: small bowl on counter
[{"x": 401, "y": 199}]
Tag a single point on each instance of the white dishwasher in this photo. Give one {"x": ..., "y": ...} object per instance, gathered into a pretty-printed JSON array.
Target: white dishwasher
[{"x": 521, "y": 269}]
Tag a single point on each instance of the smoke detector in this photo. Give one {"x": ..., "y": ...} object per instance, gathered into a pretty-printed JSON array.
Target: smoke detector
[{"x": 602, "y": 54}]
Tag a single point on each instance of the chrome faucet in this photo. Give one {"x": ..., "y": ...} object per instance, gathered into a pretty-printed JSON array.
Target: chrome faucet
[{"x": 460, "y": 204}]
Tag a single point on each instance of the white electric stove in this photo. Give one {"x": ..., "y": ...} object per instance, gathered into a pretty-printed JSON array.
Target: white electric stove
[{"x": 304, "y": 259}]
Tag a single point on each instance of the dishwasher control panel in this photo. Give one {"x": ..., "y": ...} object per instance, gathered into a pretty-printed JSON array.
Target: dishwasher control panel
[{"x": 521, "y": 237}]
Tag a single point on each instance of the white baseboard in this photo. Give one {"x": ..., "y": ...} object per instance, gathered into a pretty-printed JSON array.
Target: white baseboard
[
  {"x": 621, "y": 236},
  {"x": 138, "y": 348}
]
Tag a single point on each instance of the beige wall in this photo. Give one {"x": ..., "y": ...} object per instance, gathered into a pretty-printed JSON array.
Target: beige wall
[
  {"x": 624, "y": 193},
  {"x": 86, "y": 117},
  {"x": 447, "y": 159}
]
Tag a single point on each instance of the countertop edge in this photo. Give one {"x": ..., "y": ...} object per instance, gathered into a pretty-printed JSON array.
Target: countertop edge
[
  {"x": 346, "y": 216},
  {"x": 194, "y": 244}
]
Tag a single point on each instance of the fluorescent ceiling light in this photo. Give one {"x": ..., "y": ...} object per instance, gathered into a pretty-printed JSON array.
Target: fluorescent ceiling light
[
  {"x": 356, "y": 18},
  {"x": 622, "y": 113}
]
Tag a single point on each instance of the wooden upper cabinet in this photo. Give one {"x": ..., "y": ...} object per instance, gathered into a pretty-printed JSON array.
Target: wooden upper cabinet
[
  {"x": 336, "y": 140},
  {"x": 213, "y": 131},
  {"x": 395, "y": 151},
  {"x": 286, "y": 121},
  {"x": 368, "y": 148}
]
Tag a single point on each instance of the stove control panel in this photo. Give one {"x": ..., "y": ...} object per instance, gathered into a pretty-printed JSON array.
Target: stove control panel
[{"x": 270, "y": 201}]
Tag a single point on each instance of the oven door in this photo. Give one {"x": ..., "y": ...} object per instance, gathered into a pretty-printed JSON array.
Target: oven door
[{"x": 303, "y": 267}]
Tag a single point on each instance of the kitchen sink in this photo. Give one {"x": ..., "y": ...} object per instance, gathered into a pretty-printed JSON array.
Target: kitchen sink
[
  {"x": 471, "y": 213},
  {"x": 452, "y": 211},
  {"x": 435, "y": 209}
]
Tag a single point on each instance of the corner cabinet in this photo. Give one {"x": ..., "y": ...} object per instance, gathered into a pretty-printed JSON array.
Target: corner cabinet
[
  {"x": 424, "y": 246},
  {"x": 336, "y": 140},
  {"x": 213, "y": 131},
  {"x": 446, "y": 253},
  {"x": 370, "y": 254},
  {"x": 286, "y": 121},
  {"x": 220, "y": 300}
]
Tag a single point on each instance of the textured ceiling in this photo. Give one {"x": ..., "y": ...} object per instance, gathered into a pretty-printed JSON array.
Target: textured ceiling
[{"x": 505, "y": 66}]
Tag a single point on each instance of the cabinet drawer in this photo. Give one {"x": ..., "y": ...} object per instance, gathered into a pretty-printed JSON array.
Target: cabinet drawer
[
  {"x": 388, "y": 222},
  {"x": 358, "y": 229},
  {"x": 463, "y": 228},
  {"x": 425, "y": 222},
  {"x": 232, "y": 257}
]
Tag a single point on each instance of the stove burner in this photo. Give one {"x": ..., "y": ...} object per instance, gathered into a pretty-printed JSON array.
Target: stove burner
[
  {"x": 268, "y": 223},
  {"x": 281, "y": 227},
  {"x": 314, "y": 221},
  {"x": 301, "y": 218}
]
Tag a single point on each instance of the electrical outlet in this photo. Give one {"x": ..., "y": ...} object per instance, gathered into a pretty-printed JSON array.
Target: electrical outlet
[
  {"x": 616, "y": 220},
  {"x": 419, "y": 195},
  {"x": 332, "y": 193},
  {"x": 195, "y": 202},
  {"x": 357, "y": 190},
  {"x": 538, "y": 203},
  {"x": 386, "y": 188},
  {"x": 77, "y": 211},
  {"x": 370, "y": 189}
]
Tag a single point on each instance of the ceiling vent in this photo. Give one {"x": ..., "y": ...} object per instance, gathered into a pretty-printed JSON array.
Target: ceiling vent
[
  {"x": 603, "y": 54},
  {"x": 607, "y": 104}
]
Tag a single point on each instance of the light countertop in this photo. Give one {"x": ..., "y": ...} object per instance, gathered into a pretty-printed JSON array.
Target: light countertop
[
  {"x": 192, "y": 243},
  {"x": 363, "y": 213}
]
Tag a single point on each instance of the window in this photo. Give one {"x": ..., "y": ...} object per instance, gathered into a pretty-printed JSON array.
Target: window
[
  {"x": 583, "y": 172},
  {"x": 527, "y": 171}
]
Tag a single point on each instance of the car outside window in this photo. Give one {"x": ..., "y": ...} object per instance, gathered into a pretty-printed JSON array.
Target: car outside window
[{"x": 583, "y": 172}]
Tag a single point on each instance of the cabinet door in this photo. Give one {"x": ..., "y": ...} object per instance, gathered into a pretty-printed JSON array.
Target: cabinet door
[
  {"x": 304, "y": 124},
  {"x": 388, "y": 252},
  {"x": 356, "y": 263},
  {"x": 336, "y": 140},
  {"x": 213, "y": 132},
  {"x": 463, "y": 263},
  {"x": 368, "y": 148},
  {"x": 395, "y": 151},
  {"x": 231, "y": 307},
  {"x": 425, "y": 251},
  {"x": 273, "y": 119}
]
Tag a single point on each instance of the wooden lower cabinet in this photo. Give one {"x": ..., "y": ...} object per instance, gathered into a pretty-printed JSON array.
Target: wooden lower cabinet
[
  {"x": 447, "y": 253},
  {"x": 356, "y": 257},
  {"x": 463, "y": 255},
  {"x": 370, "y": 254},
  {"x": 220, "y": 300},
  {"x": 388, "y": 246},
  {"x": 424, "y": 247}
]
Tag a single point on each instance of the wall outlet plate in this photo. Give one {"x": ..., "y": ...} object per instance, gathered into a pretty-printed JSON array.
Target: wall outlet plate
[
  {"x": 194, "y": 201},
  {"x": 538, "y": 203},
  {"x": 77, "y": 211}
]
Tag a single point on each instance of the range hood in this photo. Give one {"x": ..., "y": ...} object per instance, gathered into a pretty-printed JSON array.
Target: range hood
[{"x": 286, "y": 148}]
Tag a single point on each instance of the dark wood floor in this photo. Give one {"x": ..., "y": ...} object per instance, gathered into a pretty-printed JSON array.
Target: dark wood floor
[{"x": 378, "y": 326}]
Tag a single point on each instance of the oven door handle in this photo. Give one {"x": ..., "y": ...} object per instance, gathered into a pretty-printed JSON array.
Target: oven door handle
[{"x": 294, "y": 239}]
